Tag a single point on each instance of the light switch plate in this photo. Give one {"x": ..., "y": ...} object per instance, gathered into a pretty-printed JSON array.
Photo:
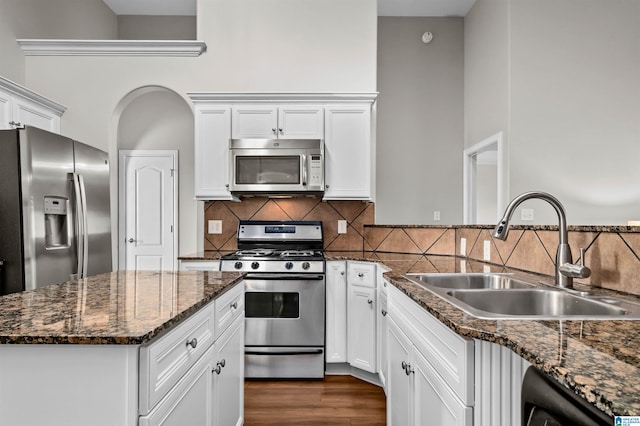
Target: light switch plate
[
  {"x": 463, "y": 246},
  {"x": 436, "y": 215},
  {"x": 215, "y": 227},
  {"x": 342, "y": 227}
]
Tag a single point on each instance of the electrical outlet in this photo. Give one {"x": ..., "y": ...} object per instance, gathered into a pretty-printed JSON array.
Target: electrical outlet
[
  {"x": 526, "y": 214},
  {"x": 215, "y": 227},
  {"x": 486, "y": 252},
  {"x": 463, "y": 246},
  {"x": 342, "y": 227},
  {"x": 436, "y": 215}
]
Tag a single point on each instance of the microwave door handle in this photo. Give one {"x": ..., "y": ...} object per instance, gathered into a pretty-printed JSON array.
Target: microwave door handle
[{"x": 304, "y": 169}]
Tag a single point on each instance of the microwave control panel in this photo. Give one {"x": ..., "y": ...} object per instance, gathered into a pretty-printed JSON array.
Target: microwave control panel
[{"x": 315, "y": 170}]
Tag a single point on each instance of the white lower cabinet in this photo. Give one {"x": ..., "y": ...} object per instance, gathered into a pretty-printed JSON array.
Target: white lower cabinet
[
  {"x": 336, "y": 309},
  {"x": 211, "y": 391},
  {"x": 430, "y": 378},
  {"x": 228, "y": 376},
  {"x": 189, "y": 402},
  {"x": 361, "y": 316}
]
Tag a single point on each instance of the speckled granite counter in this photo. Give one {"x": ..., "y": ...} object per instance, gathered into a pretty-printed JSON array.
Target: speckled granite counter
[
  {"x": 124, "y": 307},
  {"x": 599, "y": 360}
]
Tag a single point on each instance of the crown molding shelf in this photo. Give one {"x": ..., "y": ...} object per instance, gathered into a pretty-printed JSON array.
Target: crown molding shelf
[
  {"x": 271, "y": 97},
  {"x": 51, "y": 47}
]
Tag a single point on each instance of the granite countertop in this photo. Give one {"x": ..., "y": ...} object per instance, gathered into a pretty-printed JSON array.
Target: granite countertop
[
  {"x": 124, "y": 307},
  {"x": 598, "y": 360}
]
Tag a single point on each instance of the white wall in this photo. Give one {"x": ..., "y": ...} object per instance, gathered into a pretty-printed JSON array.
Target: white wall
[
  {"x": 139, "y": 27},
  {"x": 572, "y": 101},
  {"x": 420, "y": 121}
]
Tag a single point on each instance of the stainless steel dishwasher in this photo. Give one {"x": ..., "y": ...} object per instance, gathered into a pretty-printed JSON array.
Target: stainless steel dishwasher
[{"x": 547, "y": 403}]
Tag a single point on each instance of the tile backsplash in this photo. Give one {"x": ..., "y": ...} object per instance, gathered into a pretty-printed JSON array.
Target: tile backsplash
[
  {"x": 612, "y": 253},
  {"x": 356, "y": 213}
]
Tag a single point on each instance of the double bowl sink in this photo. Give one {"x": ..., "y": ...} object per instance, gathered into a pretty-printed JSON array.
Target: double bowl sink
[{"x": 502, "y": 296}]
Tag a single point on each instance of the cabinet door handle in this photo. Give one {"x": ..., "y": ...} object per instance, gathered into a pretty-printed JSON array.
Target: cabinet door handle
[
  {"x": 218, "y": 369},
  {"x": 193, "y": 343},
  {"x": 369, "y": 301},
  {"x": 280, "y": 130},
  {"x": 273, "y": 129},
  {"x": 234, "y": 305},
  {"x": 404, "y": 365},
  {"x": 222, "y": 363},
  {"x": 384, "y": 313},
  {"x": 342, "y": 273},
  {"x": 360, "y": 274}
]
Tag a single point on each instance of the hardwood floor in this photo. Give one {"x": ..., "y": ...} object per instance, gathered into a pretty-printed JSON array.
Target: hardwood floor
[{"x": 334, "y": 401}]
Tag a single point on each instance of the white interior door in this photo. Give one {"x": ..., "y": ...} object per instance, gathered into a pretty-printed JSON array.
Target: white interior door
[{"x": 148, "y": 210}]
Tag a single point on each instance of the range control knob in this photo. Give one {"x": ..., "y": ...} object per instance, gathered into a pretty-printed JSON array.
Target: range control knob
[
  {"x": 255, "y": 265},
  {"x": 306, "y": 265},
  {"x": 288, "y": 265},
  {"x": 237, "y": 265}
]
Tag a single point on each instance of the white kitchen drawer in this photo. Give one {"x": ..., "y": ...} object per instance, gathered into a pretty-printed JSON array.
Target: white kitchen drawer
[
  {"x": 167, "y": 359},
  {"x": 229, "y": 306},
  {"x": 361, "y": 273},
  {"x": 451, "y": 355}
]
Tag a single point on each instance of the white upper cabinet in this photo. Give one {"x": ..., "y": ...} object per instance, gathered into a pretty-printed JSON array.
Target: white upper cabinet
[
  {"x": 348, "y": 152},
  {"x": 20, "y": 107},
  {"x": 212, "y": 134},
  {"x": 278, "y": 121},
  {"x": 343, "y": 121}
]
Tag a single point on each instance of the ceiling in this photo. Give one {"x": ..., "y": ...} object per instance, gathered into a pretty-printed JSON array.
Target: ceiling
[{"x": 385, "y": 7}]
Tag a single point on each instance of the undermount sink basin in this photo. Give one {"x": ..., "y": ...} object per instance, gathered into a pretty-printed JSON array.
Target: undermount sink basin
[
  {"x": 500, "y": 296},
  {"x": 469, "y": 281},
  {"x": 535, "y": 303}
]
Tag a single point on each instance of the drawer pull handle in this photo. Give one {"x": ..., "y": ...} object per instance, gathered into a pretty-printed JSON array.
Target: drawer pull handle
[
  {"x": 360, "y": 274},
  {"x": 369, "y": 301},
  {"x": 384, "y": 313},
  {"x": 193, "y": 343},
  {"x": 234, "y": 305}
]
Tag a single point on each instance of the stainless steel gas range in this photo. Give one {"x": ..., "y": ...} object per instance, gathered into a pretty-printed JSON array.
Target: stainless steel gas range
[{"x": 285, "y": 298}]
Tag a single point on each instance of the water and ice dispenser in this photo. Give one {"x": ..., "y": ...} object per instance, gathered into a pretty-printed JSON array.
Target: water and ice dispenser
[{"x": 56, "y": 222}]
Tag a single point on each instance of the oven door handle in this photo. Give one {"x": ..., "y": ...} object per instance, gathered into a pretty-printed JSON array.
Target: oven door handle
[
  {"x": 284, "y": 277},
  {"x": 286, "y": 352}
]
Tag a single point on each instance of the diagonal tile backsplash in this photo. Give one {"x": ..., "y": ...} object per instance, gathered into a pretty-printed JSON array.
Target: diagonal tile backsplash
[
  {"x": 356, "y": 213},
  {"x": 612, "y": 253}
]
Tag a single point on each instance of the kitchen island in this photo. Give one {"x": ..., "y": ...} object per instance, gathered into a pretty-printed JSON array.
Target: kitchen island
[{"x": 123, "y": 348}]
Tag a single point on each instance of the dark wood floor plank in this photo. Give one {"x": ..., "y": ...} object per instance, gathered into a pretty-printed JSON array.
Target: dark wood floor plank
[{"x": 334, "y": 401}]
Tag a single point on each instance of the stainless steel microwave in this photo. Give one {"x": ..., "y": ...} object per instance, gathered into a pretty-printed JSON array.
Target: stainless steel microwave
[{"x": 277, "y": 166}]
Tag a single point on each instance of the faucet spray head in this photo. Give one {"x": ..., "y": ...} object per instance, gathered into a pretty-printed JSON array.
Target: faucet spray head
[{"x": 501, "y": 230}]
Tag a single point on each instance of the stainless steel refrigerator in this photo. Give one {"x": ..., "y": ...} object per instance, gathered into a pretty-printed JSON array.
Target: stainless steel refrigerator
[{"x": 55, "y": 220}]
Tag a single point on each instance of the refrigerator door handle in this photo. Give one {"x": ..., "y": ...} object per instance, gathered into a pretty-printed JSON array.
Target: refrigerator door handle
[
  {"x": 85, "y": 227},
  {"x": 80, "y": 231}
]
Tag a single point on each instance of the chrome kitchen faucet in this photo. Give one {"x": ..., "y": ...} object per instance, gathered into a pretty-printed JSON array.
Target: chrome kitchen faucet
[{"x": 565, "y": 270}]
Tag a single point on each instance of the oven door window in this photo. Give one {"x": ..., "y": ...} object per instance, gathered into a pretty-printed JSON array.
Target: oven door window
[
  {"x": 272, "y": 305},
  {"x": 278, "y": 170}
]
